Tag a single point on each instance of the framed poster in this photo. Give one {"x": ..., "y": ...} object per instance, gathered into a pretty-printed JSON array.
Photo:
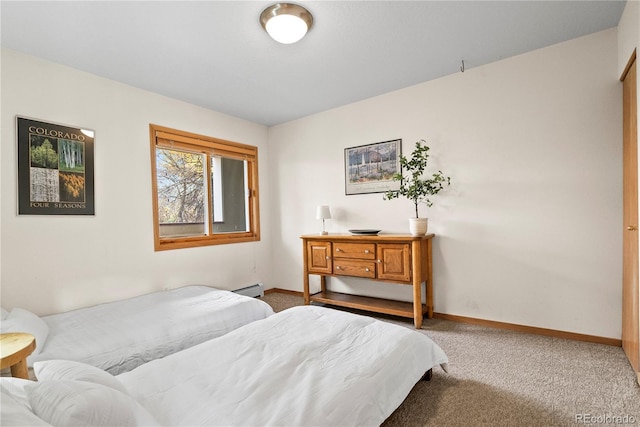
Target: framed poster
[
  {"x": 55, "y": 169},
  {"x": 370, "y": 168}
]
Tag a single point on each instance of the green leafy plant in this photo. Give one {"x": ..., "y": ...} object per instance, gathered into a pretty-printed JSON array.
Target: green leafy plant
[{"x": 412, "y": 184}]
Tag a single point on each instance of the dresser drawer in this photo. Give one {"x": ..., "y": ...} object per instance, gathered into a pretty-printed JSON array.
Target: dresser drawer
[
  {"x": 354, "y": 250},
  {"x": 348, "y": 267}
]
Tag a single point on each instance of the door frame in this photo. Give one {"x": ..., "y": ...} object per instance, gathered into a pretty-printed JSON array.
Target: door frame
[{"x": 631, "y": 284}]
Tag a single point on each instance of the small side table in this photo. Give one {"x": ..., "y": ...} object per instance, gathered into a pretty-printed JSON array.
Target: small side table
[{"x": 14, "y": 349}]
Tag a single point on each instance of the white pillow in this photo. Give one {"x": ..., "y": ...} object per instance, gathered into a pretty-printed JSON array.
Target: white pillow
[
  {"x": 5, "y": 313},
  {"x": 21, "y": 320},
  {"x": 75, "y": 371},
  {"x": 16, "y": 414},
  {"x": 80, "y": 403}
]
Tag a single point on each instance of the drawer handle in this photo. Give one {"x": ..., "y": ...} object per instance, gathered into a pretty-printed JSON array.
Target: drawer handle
[
  {"x": 379, "y": 261},
  {"x": 337, "y": 249},
  {"x": 328, "y": 257},
  {"x": 366, "y": 251},
  {"x": 337, "y": 267},
  {"x": 367, "y": 269}
]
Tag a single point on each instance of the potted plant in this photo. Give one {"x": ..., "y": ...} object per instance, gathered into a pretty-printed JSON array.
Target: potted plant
[{"x": 416, "y": 188}]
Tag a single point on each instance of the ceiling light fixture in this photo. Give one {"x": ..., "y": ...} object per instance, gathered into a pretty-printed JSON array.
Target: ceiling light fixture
[{"x": 286, "y": 22}]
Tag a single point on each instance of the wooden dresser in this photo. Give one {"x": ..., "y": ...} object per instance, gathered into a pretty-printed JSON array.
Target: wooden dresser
[{"x": 397, "y": 258}]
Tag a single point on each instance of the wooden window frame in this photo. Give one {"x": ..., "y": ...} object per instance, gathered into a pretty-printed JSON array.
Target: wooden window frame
[{"x": 164, "y": 137}]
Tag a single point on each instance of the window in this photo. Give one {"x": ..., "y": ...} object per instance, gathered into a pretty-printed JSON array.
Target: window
[{"x": 205, "y": 190}]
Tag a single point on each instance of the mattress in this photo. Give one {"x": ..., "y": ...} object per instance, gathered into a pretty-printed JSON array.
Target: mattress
[
  {"x": 121, "y": 335},
  {"x": 305, "y": 366}
]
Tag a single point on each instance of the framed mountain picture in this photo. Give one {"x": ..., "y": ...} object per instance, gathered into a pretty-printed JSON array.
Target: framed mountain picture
[{"x": 370, "y": 168}]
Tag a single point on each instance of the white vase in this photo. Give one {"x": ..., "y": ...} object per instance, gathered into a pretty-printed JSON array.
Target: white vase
[{"x": 418, "y": 226}]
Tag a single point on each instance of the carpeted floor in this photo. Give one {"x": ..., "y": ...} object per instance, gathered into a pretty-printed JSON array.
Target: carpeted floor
[{"x": 503, "y": 378}]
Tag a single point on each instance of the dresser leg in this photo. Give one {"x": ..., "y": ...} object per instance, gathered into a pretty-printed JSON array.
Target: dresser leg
[
  {"x": 429, "y": 284},
  {"x": 417, "y": 321},
  {"x": 416, "y": 265},
  {"x": 417, "y": 305},
  {"x": 307, "y": 297}
]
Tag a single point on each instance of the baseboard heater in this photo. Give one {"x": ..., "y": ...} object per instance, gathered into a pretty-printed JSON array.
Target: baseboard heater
[{"x": 256, "y": 290}]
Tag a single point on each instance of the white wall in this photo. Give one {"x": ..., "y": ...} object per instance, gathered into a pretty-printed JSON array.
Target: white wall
[
  {"x": 529, "y": 232},
  {"x": 56, "y": 263}
]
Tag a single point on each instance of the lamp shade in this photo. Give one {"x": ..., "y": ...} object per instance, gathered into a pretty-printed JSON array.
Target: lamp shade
[
  {"x": 323, "y": 212},
  {"x": 286, "y": 22}
]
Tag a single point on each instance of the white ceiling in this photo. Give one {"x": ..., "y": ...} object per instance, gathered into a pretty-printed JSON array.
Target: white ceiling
[{"x": 215, "y": 53}]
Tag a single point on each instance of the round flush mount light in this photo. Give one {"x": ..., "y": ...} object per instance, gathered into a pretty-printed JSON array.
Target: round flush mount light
[{"x": 286, "y": 22}]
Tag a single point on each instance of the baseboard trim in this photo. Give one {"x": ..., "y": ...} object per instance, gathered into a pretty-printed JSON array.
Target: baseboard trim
[
  {"x": 284, "y": 291},
  {"x": 502, "y": 325},
  {"x": 530, "y": 329}
]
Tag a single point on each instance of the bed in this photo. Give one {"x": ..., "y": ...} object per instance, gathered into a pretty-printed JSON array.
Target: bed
[
  {"x": 304, "y": 366},
  {"x": 118, "y": 336}
]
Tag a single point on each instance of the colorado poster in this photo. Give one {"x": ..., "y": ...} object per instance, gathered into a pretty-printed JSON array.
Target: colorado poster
[{"x": 55, "y": 169}]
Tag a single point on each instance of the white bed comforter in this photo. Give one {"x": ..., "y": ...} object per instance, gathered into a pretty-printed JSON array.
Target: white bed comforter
[
  {"x": 121, "y": 335},
  {"x": 305, "y": 366}
]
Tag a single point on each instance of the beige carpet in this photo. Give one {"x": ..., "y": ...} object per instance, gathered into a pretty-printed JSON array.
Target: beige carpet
[{"x": 502, "y": 378}]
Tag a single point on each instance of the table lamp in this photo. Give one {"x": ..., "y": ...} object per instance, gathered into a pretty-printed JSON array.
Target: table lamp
[{"x": 323, "y": 212}]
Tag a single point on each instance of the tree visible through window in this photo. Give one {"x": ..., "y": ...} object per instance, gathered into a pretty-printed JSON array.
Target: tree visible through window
[
  {"x": 196, "y": 205},
  {"x": 181, "y": 187}
]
